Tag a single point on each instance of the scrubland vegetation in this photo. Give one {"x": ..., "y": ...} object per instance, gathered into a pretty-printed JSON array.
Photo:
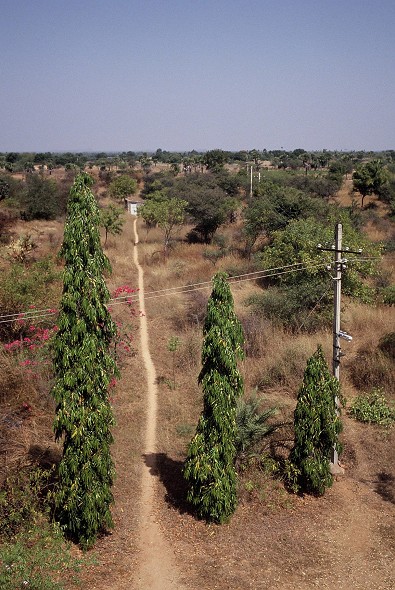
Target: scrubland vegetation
[{"x": 258, "y": 216}]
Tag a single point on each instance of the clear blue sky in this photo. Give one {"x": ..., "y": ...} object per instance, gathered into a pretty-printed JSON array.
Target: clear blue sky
[{"x": 196, "y": 74}]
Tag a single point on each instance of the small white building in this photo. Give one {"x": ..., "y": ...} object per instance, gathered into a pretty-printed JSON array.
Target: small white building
[{"x": 132, "y": 204}]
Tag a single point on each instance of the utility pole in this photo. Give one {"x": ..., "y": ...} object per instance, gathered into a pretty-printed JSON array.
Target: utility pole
[
  {"x": 337, "y": 281},
  {"x": 251, "y": 182},
  {"x": 339, "y": 265}
]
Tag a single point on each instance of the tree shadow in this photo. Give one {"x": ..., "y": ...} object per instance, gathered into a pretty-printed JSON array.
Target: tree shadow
[
  {"x": 45, "y": 456},
  {"x": 385, "y": 486},
  {"x": 169, "y": 473}
]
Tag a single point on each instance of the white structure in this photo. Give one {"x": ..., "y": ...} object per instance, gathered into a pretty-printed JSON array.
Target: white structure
[{"x": 132, "y": 204}]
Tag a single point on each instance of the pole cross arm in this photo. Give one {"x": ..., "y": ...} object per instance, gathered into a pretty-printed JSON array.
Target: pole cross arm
[{"x": 340, "y": 251}]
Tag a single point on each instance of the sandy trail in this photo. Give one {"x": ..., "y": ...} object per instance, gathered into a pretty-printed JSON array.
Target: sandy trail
[{"x": 157, "y": 570}]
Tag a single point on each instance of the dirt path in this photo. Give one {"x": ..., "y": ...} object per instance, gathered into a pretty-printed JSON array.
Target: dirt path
[{"x": 156, "y": 569}]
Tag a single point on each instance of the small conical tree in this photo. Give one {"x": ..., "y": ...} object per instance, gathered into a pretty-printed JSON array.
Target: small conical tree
[
  {"x": 210, "y": 465},
  {"x": 83, "y": 369},
  {"x": 317, "y": 426}
]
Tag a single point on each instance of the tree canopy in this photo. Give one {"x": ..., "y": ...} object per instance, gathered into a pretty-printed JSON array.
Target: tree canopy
[
  {"x": 167, "y": 213},
  {"x": 122, "y": 186},
  {"x": 369, "y": 178}
]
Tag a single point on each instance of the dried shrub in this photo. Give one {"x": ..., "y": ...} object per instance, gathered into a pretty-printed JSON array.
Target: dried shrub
[
  {"x": 189, "y": 355},
  {"x": 286, "y": 371},
  {"x": 387, "y": 345},
  {"x": 372, "y": 368},
  {"x": 196, "y": 308},
  {"x": 255, "y": 334}
]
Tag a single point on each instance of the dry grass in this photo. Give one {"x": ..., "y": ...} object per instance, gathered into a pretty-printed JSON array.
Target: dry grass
[
  {"x": 366, "y": 323},
  {"x": 26, "y": 414}
]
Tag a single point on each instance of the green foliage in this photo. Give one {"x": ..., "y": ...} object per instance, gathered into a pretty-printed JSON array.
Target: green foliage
[
  {"x": 111, "y": 219},
  {"x": 297, "y": 244},
  {"x": 373, "y": 408},
  {"x": 210, "y": 465},
  {"x": 167, "y": 213},
  {"x": 306, "y": 306},
  {"x": 215, "y": 255},
  {"x": 317, "y": 427},
  {"x": 39, "y": 559},
  {"x": 273, "y": 207},
  {"x": 83, "y": 369},
  {"x": 388, "y": 295},
  {"x": 10, "y": 189},
  {"x": 252, "y": 424},
  {"x": 214, "y": 159},
  {"x": 122, "y": 187},
  {"x": 22, "y": 499},
  {"x": 40, "y": 198},
  {"x": 209, "y": 205},
  {"x": 23, "y": 285},
  {"x": 369, "y": 178}
]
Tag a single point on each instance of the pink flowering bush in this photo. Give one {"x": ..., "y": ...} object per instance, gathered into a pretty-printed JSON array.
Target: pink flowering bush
[
  {"x": 31, "y": 351},
  {"x": 124, "y": 320}
]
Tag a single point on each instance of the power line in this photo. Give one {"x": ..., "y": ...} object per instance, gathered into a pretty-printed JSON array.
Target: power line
[
  {"x": 133, "y": 298},
  {"x": 130, "y": 295},
  {"x": 33, "y": 313},
  {"x": 156, "y": 294}
]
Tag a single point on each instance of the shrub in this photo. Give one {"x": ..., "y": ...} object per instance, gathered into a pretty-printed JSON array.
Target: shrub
[
  {"x": 40, "y": 199},
  {"x": 388, "y": 295},
  {"x": 372, "y": 368},
  {"x": 252, "y": 424},
  {"x": 22, "y": 498},
  {"x": 387, "y": 345},
  {"x": 373, "y": 408},
  {"x": 210, "y": 464},
  {"x": 23, "y": 285},
  {"x": 317, "y": 427},
  {"x": 303, "y": 307}
]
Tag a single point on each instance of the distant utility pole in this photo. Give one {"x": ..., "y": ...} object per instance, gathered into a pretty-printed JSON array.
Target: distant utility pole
[
  {"x": 339, "y": 266},
  {"x": 251, "y": 182}
]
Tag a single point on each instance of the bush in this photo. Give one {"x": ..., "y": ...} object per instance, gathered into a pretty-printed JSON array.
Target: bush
[
  {"x": 372, "y": 367},
  {"x": 305, "y": 307},
  {"x": 252, "y": 424},
  {"x": 388, "y": 295},
  {"x": 21, "y": 286},
  {"x": 41, "y": 198},
  {"x": 373, "y": 408},
  {"x": 387, "y": 345},
  {"x": 22, "y": 498}
]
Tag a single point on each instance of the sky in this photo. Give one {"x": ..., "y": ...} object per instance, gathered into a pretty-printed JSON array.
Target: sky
[{"x": 120, "y": 75}]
